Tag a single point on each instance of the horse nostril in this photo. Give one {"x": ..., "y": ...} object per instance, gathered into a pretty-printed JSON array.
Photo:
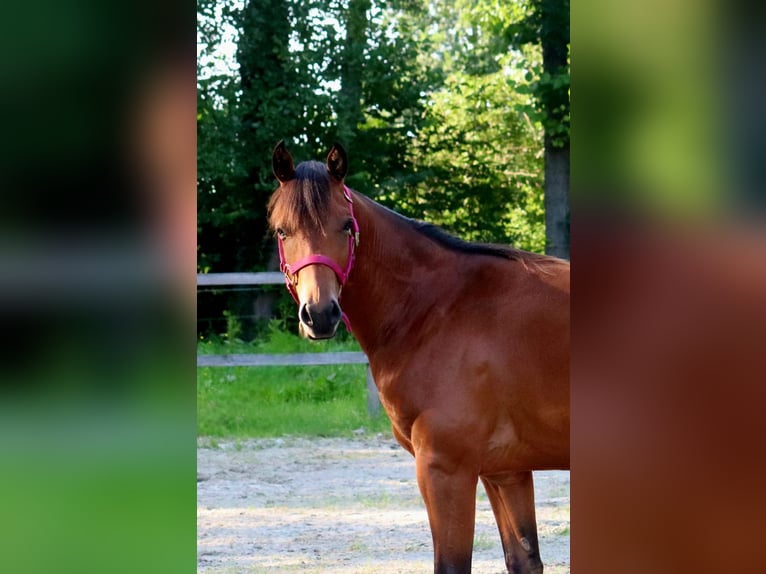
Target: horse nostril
[
  {"x": 335, "y": 312},
  {"x": 321, "y": 322},
  {"x": 305, "y": 315}
]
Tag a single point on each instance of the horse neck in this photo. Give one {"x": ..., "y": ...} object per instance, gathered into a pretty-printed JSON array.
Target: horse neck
[{"x": 395, "y": 274}]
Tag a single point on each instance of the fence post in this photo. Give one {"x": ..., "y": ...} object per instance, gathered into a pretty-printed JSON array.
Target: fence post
[{"x": 373, "y": 400}]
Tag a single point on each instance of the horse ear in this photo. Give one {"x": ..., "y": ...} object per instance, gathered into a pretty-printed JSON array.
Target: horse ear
[
  {"x": 282, "y": 163},
  {"x": 337, "y": 162}
]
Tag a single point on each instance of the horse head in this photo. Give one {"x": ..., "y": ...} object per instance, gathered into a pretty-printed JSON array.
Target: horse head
[{"x": 311, "y": 213}]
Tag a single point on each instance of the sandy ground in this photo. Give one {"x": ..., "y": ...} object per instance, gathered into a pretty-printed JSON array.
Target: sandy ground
[{"x": 340, "y": 506}]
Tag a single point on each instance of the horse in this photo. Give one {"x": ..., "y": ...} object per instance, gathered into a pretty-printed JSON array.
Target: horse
[{"x": 468, "y": 344}]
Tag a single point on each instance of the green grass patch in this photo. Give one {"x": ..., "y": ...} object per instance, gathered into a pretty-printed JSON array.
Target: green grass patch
[
  {"x": 484, "y": 542},
  {"x": 328, "y": 400}
]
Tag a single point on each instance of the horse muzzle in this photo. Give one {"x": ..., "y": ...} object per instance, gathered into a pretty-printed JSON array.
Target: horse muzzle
[{"x": 319, "y": 321}]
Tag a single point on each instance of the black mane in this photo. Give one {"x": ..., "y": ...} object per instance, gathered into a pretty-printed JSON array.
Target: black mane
[{"x": 449, "y": 241}]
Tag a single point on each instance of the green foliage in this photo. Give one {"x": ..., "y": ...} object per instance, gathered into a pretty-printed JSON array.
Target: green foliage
[
  {"x": 274, "y": 339},
  {"x": 233, "y": 326},
  {"x": 481, "y": 171},
  {"x": 477, "y": 158},
  {"x": 546, "y": 23}
]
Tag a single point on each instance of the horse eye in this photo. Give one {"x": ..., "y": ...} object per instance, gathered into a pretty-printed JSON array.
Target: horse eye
[
  {"x": 281, "y": 233},
  {"x": 348, "y": 226}
]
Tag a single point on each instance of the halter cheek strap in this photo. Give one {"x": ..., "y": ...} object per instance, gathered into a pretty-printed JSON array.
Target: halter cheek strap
[{"x": 290, "y": 271}]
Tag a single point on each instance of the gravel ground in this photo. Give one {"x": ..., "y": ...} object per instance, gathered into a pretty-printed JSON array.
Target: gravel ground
[{"x": 340, "y": 506}]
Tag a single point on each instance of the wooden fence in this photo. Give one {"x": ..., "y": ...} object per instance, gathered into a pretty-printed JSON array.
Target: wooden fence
[{"x": 263, "y": 360}]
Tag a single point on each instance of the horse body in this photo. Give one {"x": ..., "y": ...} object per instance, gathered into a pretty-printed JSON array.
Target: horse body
[
  {"x": 464, "y": 332},
  {"x": 469, "y": 348}
]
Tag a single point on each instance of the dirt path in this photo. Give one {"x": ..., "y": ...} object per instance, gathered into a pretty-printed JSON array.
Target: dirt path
[{"x": 340, "y": 506}]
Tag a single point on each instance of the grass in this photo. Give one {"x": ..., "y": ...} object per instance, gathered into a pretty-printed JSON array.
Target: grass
[
  {"x": 380, "y": 500},
  {"x": 484, "y": 542},
  {"x": 245, "y": 402},
  {"x": 358, "y": 546}
]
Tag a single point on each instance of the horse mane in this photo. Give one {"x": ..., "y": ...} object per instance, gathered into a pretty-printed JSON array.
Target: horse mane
[
  {"x": 449, "y": 241},
  {"x": 305, "y": 199}
]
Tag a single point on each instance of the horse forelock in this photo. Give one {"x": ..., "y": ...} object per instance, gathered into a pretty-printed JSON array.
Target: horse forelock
[{"x": 303, "y": 202}]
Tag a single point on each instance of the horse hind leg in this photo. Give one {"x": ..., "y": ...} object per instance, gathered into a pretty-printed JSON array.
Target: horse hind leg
[
  {"x": 503, "y": 522},
  {"x": 513, "y": 503}
]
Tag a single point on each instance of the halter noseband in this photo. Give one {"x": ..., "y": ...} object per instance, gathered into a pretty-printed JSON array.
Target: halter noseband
[{"x": 291, "y": 271}]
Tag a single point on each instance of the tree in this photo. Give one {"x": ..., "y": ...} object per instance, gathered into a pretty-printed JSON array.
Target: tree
[
  {"x": 547, "y": 24},
  {"x": 273, "y": 92},
  {"x": 268, "y": 97},
  {"x": 388, "y": 79},
  {"x": 480, "y": 164},
  {"x": 352, "y": 67},
  {"x": 272, "y": 104},
  {"x": 477, "y": 160}
]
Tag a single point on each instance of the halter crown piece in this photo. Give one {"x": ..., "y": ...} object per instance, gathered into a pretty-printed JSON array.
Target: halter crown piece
[{"x": 291, "y": 271}]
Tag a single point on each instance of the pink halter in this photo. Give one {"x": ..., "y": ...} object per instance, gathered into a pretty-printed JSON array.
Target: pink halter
[{"x": 291, "y": 271}]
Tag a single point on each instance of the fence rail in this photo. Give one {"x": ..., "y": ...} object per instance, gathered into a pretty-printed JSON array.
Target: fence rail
[
  {"x": 224, "y": 279},
  {"x": 301, "y": 359},
  {"x": 264, "y": 360}
]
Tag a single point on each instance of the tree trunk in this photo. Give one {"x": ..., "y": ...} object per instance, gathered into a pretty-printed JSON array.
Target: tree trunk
[
  {"x": 557, "y": 201},
  {"x": 350, "y": 97},
  {"x": 554, "y": 38}
]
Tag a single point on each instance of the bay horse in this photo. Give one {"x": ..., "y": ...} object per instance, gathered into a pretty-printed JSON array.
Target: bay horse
[{"x": 468, "y": 345}]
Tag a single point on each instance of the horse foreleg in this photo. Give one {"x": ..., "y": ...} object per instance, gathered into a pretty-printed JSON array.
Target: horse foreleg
[
  {"x": 449, "y": 493},
  {"x": 513, "y": 502}
]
